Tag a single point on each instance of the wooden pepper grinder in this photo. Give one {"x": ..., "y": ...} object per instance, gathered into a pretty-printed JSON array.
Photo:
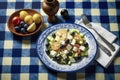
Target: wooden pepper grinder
[{"x": 51, "y": 7}]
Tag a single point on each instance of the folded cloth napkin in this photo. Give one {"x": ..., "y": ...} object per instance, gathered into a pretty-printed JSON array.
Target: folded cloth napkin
[{"x": 102, "y": 58}]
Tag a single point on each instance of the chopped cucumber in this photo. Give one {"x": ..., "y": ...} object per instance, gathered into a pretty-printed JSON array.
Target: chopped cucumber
[
  {"x": 69, "y": 63},
  {"x": 76, "y": 55},
  {"x": 81, "y": 42},
  {"x": 84, "y": 54},
  {"x": 82, "y": 35},
  {"x": 74, "y": 30},
  {"x": 50, "y": 38}
]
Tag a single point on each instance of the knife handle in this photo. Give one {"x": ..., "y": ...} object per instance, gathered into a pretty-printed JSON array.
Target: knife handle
[{"x": 104, "y": 49}]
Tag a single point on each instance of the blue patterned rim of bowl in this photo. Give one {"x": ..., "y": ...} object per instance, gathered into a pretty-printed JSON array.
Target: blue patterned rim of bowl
[{"x": 66, "y": 68}]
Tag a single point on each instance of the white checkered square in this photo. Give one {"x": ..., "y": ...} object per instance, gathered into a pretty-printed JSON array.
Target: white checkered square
[
  {"x": 62, "y": 0},
  {"x": 10, "y": 12},
  {"x": 114, "y": 27},
  {"x": 110, "y": 0},
  {"x": 95, "y": 12},
  {"x": 100, "y": 76},
  {"x": 43, "y": 76},
  {"x": 24, "y": 76},
  {"x": 27, "y": 0},
  {"x": 117, "y": 61},
  {"x": 25, "y": 61},
  {"x": 8, "y": 44},
  {"x": 78, "y": 0},
  {"x": 11, "y": 0},
  {"x": 112, "y": 12},
  {"x": 117, "y": 76},
  {"x": 6, "y": 61},
  {"x": 94, "y": 0},
  {"x": 5, "y": 76},
  {"x": 78, "y": 12}
]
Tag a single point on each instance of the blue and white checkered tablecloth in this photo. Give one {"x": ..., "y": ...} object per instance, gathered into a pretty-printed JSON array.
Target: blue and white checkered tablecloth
[{"x": 18, "y": 57}]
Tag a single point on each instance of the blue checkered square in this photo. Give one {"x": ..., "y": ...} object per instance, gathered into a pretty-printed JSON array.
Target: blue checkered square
[
  {"x": 19, "y": 5},
  {"x": 36, "y": 5}
]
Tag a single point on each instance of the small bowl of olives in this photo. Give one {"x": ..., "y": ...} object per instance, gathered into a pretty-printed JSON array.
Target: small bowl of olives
[{"x": 25, "y": 22}]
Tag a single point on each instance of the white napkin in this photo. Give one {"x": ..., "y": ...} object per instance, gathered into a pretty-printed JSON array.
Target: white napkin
[{"x": 102, "y": 57}]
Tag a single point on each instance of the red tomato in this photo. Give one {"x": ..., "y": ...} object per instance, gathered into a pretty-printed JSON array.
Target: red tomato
[
  {"x": 78, "y": 46},
  {"x": 16, "y": 20}
]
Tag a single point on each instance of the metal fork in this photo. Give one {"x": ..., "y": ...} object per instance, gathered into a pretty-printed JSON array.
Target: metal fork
[{"x": 87, "y": 23}]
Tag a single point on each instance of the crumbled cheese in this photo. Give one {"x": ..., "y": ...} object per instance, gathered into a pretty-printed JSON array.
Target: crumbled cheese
[
  {"x": 64, "y": 56},
  {"x": 82, "y": 48},
  {"x": 72, "y": 60},
  {"x": 70, "y": 37},
  {"x": 57, "y": 38},
  {"x": 69, "y": 47},
  {"x": 81, "y": 42},
  {"x": 53, "y": 53},
  {"x": 66, "y": 51},
  {"x": 75, "y": 49},
  {"x": 62, "y": 42},
  {"x": 73, "y": 42}
]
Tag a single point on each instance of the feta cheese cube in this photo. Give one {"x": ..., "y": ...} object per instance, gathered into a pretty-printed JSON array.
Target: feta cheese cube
[
  {"x": 69, "y": 47},
  {"x": 81, "y": 34},
  {"x": 82, "y": 48},
  {"x": 69, "y": 36},
  {"x": 75, "y": 49},
  {"x": 73, "y": 42},
  {"x": 66, "y": 51},
  {"x": 53, "y": 53},
  {"x": 57, "y": 38},
  {"x": 64, "y": 56},
  {"x": 62, "y": 42}
]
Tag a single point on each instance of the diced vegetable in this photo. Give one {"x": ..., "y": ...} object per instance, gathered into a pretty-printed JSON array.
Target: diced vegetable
[
  {"x": 75, "y": 49},
  {"x": 67, "y": 46},
  {"x": 53, "y": 53},
  {"x": 82, "y": 48},
  {"x": 73, "y": 42}
]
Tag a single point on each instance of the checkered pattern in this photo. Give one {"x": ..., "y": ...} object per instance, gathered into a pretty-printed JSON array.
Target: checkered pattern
[{"x": 18, "y": 58}]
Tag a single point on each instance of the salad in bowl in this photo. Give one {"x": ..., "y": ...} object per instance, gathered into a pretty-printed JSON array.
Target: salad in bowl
[{"x": 67, "y": 46}]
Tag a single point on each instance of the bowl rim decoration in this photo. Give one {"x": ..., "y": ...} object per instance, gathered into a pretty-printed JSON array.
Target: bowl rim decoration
[
  {"x": 16, "y": 13},
  {"x": 44, "y": 58}
]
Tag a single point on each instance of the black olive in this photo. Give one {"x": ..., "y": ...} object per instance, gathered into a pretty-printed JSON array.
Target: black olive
[
  {"x": 47, "y": 45},
  {"x": 64, "y": 13},
  {"x": 53, "y": 35},
  {"x": 86, "y": 44},
  {"x": 70, "y": 54},
  {"x": 67, "y": 60},
  {"x": 67, "y": 41},
  {"x": 78, "y": 58},
  {"x": 58, "y": 59},
  {"x": 73, "y": 33},
  {"x": 48, "y": 52},
  {"x": 62, "y": 46}
]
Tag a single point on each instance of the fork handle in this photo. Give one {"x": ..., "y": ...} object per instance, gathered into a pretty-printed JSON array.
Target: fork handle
[{"x": 106, "y": 42}]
